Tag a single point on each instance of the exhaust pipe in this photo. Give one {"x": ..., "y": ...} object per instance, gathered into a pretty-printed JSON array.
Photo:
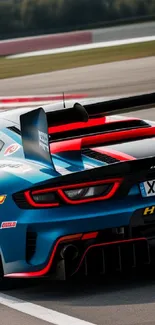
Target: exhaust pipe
[{"x": 69, "y": 252}]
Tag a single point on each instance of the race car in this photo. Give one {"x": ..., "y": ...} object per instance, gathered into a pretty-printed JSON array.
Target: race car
[{"x": 77, "y": 194}]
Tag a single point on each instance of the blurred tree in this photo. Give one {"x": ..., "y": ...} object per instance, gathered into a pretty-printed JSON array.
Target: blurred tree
[
  {"x": 83, "y": 12},
  {"x": 41, "y": 14},
  {"x": 151, "y": 7},
  {"x": 28, "y": 13},
  {"x": 47, "y": 15},
  {"x": 9, "y": 14}
]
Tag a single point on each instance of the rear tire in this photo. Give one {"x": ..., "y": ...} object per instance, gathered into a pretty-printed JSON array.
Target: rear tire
[
  {"x": 4, "y": 282},
  {"x": 2, "y": 279}
]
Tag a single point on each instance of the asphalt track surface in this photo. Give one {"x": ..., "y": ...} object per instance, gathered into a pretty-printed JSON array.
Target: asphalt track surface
[
  {"x": 124, "y": 32},
  {"x": 125, "y": 300},
  {"x": 114, "y": 78}
]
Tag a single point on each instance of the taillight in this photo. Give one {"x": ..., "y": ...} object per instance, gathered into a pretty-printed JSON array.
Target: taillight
[
  {"x": 45, "y": 198},
  {"x": 88, "y": 192},
  {"x": 73, "y": 194}
]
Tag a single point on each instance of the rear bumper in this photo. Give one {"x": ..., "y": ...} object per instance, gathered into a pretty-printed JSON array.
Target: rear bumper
[
  {"x": 43, "y": 234},
  {"x": 83, "y": 255}
]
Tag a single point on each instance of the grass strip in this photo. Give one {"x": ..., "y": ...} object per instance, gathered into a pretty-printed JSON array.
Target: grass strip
[{"x": 47, "y": 63}]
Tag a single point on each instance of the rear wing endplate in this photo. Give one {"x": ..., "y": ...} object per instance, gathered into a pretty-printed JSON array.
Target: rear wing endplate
[{"x": 35, "y": 137}]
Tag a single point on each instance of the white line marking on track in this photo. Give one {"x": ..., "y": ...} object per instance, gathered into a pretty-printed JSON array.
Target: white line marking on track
[{"x": 40, "y": 312}]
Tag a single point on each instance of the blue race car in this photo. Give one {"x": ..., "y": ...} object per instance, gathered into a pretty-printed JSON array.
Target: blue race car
[{"x": 77, "y": 192}]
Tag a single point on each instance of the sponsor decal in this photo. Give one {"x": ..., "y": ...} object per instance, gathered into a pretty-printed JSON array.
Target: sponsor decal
[
  {"x": 8, "y": 165},
  {"x": 149, "y": 211},
  {"x": 43, "y": 141},
  {"x": 23, "y": 169},
  {"x": 11, "y": 166},
  {"x": 11, "y": 149},
  {"x": 8, "y": 224},
  {"x": 62, "y": 170},
  {"x": 2, "y": 198}
]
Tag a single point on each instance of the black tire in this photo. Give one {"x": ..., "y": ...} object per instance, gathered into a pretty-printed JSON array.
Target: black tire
[{"x": 5, "y": 284}]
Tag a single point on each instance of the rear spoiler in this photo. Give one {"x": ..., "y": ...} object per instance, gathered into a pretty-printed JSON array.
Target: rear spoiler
[
  {"x": 121, "y": 105},
  {"x": 83, "y": 112},
  {"x": 34, "y": 125}
]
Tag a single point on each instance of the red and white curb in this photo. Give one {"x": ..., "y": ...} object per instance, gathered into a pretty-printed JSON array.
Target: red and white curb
[{"x": 35, "y": 100}]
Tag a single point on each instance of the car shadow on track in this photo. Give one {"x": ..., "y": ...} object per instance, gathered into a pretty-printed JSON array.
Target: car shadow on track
[{"x": 115, "y": 290}]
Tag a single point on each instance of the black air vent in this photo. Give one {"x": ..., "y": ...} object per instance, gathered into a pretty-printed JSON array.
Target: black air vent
[
  {"x": 99, "y": 156},
  {"x": 99, "y": 129},
  {"x": 31, "y": 238}
]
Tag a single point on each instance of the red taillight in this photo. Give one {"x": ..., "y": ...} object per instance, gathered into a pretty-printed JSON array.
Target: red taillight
[
  {"x": 101, "y": 190},
  {"x": 40, "y": 199},
  {"x": 73, "y": 194}
]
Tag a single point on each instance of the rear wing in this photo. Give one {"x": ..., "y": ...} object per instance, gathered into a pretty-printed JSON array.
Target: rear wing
[
  {"x": 121, "y": 105},
  {"x": 100, "y": 109},
  {"x": 34, "y": 125}
]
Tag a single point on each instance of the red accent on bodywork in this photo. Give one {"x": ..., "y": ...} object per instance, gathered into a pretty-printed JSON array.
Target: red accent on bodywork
[
  {"x": 64, "y": 146},
  {"x": 82, "y": 125},
  {"x": 77, "y": 125},
  {"x": 46, "y": 269},
  {"x": 117, "y": 136},
  {"x": 90, "y": 235},
  {"x": 86, "y": 141},
  {"x": 114, "y": 153}
]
